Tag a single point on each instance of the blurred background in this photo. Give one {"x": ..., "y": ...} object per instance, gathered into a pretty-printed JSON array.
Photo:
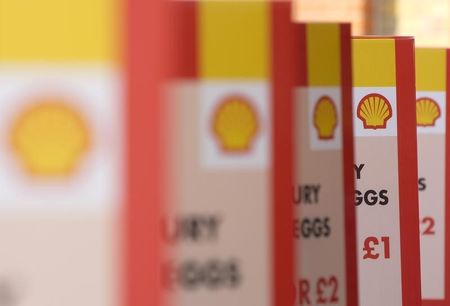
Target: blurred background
[{"x": 428, "y": 21}]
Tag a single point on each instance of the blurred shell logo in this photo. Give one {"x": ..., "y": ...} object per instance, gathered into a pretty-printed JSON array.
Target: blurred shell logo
[
  {"x": 235, "y": 124},
  {"x": 374, "y": 111},
  {"x": 325, "y": 118},
  {"x": 50, "y": 138},
  {"x": 427, "y": 112}
]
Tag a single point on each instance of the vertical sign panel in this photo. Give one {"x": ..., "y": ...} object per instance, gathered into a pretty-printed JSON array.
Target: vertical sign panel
[
  {"x": 227, "y": 242},
  {"x": 323, "y": 190},
  {"x": 386, "y": 171},
  {"x": 431, "y": 110},
  {"x": 60, "y": 152}
]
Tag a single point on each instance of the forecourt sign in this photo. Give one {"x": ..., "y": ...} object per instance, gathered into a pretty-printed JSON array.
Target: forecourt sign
[
  {"x": 431, "y": 113},
  {"x": 324, "y": 182},
  {"x": 386, "y": 171},
  {"x": 61, "y": 153},
  {"x": 229, "y": 154}
]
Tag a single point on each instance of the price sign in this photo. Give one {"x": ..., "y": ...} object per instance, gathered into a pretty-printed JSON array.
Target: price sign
[
  {"x": 61, "y": 153},
  {"x": 229, "y": 155},
  {"x": 386, "y": 171},
  {"x": 431, "y": 113},
  {"x": 323, "y": 188}
]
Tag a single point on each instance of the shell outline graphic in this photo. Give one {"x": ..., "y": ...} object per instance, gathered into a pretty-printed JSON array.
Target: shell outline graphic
[
  {"x": 235, "y": 124},
  {"x": 427, "y": 112},
  {"x": 50, "y": 137},
  {"x": 374, "y": 110},
  {"x": 325, "y": 118}
]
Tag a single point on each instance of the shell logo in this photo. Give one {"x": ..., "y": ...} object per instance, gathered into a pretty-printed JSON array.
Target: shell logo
[
  {"x": 427, "y": 111},
  {"x": 235, "y": 124},
  {"x": 325, "y": 118},
  {"x": 374, "y": 110},
  {"x": 49, "y": 138}
]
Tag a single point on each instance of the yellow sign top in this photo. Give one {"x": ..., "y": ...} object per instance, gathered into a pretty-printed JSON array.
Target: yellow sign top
[
  {"x": 59, "y": 30},
  {"x": 323, "y": 42},
  {"x": 234, "y": 39},
  {"x": 374, "y": 62},
  {"x": 430, "y": 69}
]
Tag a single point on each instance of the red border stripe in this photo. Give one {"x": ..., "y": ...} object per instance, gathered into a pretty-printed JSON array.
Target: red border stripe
[
  {"x": 348, "y": 161},
  {"x": 285, "y": 76},
  {"x": 183, "y": 51},
  {"x": 144, "y": 72},
  {"x": 407, "y": 169}
]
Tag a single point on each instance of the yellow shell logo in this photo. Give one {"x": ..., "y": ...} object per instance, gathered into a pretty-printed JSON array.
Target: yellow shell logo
[
  {"x": 325, "y": 118},
  {"x": 374, "y": 111},
  {"x": 235, "y": 124},
  {"x": 427, "y": 112},
  {"x": 49, "y": 138}
]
